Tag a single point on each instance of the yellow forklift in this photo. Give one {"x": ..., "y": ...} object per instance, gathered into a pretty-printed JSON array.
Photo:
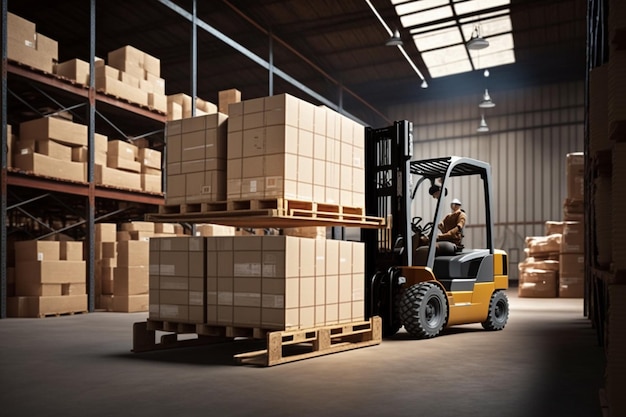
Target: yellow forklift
[{"x": 428, "y": 293}]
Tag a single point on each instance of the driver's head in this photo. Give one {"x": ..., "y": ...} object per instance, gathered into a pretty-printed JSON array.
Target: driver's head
[
  {"x": 455, "y": 204},
  {"x": 435, "y": 191}
]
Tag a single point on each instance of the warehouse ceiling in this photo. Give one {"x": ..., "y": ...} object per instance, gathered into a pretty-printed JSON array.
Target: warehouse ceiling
[{"x": 336, "y": 49}]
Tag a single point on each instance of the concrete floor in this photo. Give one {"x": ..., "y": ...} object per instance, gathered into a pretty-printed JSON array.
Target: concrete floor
[{"x": 547, "y": 362}]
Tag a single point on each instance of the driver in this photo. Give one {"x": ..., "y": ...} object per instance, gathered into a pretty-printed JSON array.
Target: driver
[{"x": 451, "y": 227}]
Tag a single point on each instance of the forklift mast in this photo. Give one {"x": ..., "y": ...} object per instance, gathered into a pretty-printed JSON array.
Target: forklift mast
[{"x": 388, "y": 153}]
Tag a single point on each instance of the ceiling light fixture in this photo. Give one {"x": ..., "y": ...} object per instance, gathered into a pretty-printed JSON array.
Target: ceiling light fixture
[
  {"x": 395, "y": 39},
  {"x": 424, "y": 84},
  {"x": 486, "y": 103},
  {"x": 399, "y": 46},
  {"x": 486, "y": 73},
  {"x": 477, "y": 42},
  {"x": 482, "y": 127}
]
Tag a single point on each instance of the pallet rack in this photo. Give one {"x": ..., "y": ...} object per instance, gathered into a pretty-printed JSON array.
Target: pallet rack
[{"x": 95, "y": 202}]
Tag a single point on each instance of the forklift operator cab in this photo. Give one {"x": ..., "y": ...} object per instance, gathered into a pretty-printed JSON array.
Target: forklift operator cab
[{"x": 412, "y": 284}]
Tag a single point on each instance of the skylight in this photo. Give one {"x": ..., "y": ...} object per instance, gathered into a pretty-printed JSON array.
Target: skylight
[{"x": 441, "y": 28}]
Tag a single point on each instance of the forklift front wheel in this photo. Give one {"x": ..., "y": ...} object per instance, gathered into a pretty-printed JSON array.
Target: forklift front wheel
[
  {"x": 498, "y": 311},
  {"x": 424, "y": 310}
]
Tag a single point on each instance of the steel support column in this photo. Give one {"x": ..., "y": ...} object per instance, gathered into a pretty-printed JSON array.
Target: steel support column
[
  {"x": 194, "y": 57},
  {"x": 3, "y": 167},
  {"x": 91, "y": 204}
]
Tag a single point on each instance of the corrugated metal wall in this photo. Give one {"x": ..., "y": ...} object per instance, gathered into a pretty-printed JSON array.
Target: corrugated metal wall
[{"x": 531, "y": 132}]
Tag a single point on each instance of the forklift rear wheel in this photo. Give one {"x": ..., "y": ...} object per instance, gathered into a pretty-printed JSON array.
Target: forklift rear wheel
[
  {"x": 424, "y": 310},
  {"x": 498, "y": 312}
]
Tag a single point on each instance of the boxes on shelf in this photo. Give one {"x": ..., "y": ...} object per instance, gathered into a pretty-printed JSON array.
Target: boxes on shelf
[
  {"x": 179, "y": 107},
  {"x": 294, "y": 150},
  {"x": 28, "y": 47},
  {"x": 227, "y": 97},
  {"x": 74, "y": 69},
  {"x": 50, "y": 167},
  {"x": 57, "y": 129}
]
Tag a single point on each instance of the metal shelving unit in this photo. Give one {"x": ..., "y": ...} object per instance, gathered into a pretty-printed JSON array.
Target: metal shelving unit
[{"x": 86, "y": 203}]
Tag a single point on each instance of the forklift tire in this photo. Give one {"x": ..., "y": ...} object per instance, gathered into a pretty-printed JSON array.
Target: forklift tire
[
  {"x": 498, "y": 312},
  {"x": 424, "y": 310}
]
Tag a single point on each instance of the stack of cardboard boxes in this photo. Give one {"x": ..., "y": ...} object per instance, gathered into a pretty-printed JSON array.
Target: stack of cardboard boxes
[
  {"x": 28, "y": 47},
  {"x": 57, "y": 148},
  {"x": 122, "y": 263},
  {"x": 555, "y": 263},
  {"x": 179, "y": 107},
  {"x": 196, "y": 159},
  {"x": 50, "y": 279},
  {"x": 267, "y": 282},
  {"x": 539, "y": 272},
  {"x": 284, "y": 147}
]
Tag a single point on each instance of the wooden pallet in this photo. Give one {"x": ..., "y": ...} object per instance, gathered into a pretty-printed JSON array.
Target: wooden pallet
[
  {"x": 65, "y": 313},
  {"x": 309, "y": 343},
  {"x": 273, "y": 213},
  {"x": 318, "y": 342}
]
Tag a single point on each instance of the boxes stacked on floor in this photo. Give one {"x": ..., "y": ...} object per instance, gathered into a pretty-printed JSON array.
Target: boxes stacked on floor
[
  {"x": 179, "y": 107},
  {"x": 122, "y": 267},
  {"x": 284, "y": 147},
  {"x": 196, "y": 159},
  {"x": 50, "y": 279},
  {"x": 539, "y": 272},
  {"x": 28, "y": 47},
  {"x": 268, "y": 282}
]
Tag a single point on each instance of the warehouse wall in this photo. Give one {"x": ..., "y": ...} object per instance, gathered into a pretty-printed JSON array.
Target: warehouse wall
[{"x": 531, "y": 131}]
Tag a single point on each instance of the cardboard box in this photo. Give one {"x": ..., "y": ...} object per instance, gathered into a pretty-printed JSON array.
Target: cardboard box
[
  {"x": 117, "y": 178},
  {"x": 122, "y": 150},
  {"x": 50, "y": 167},
  {"x": 117, "y": 88},
  {"x": 47, "y": 47},
  {"x": 157, "y": 101},
  {"x": 226, "y": 98},
  {"x": 59, "y": 130},
  {"x": 105, "y": 232},
  {"x": 575, "y": 175},
  {"x": 31, "y": 276},
  {"x": 119, "y": 162},
  {"x": 151, "y": 183},
  {"x": 71, "y": 251},
  {"x": 74, "y": 69},
  {"x": 130, "y": 303},
  {"x": 127, "y": 59},
  {"x": 538, "y": 283},
  {"x": 573, "y": 240},
  {"x": 131, "y": 280},
  {"x": 150, "y": 158},
  {"x": 45, "y": 147},
  {"x": 572, "y": 264},
  {"x": 21, "y": 30},
  {"x": 37, "y": 250},
  {"x": 571, "y": 287},
  {"x": 42, "y": 306},
  {"x": 133, "y": 253}
]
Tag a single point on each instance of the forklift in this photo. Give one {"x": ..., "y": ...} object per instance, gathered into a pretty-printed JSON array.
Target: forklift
[{"x": 437, "y": 289}]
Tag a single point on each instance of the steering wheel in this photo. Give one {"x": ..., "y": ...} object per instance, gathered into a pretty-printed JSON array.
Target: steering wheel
[
  {"x": 415, "y": 225},
  {"x": 427, "y": 228}
]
